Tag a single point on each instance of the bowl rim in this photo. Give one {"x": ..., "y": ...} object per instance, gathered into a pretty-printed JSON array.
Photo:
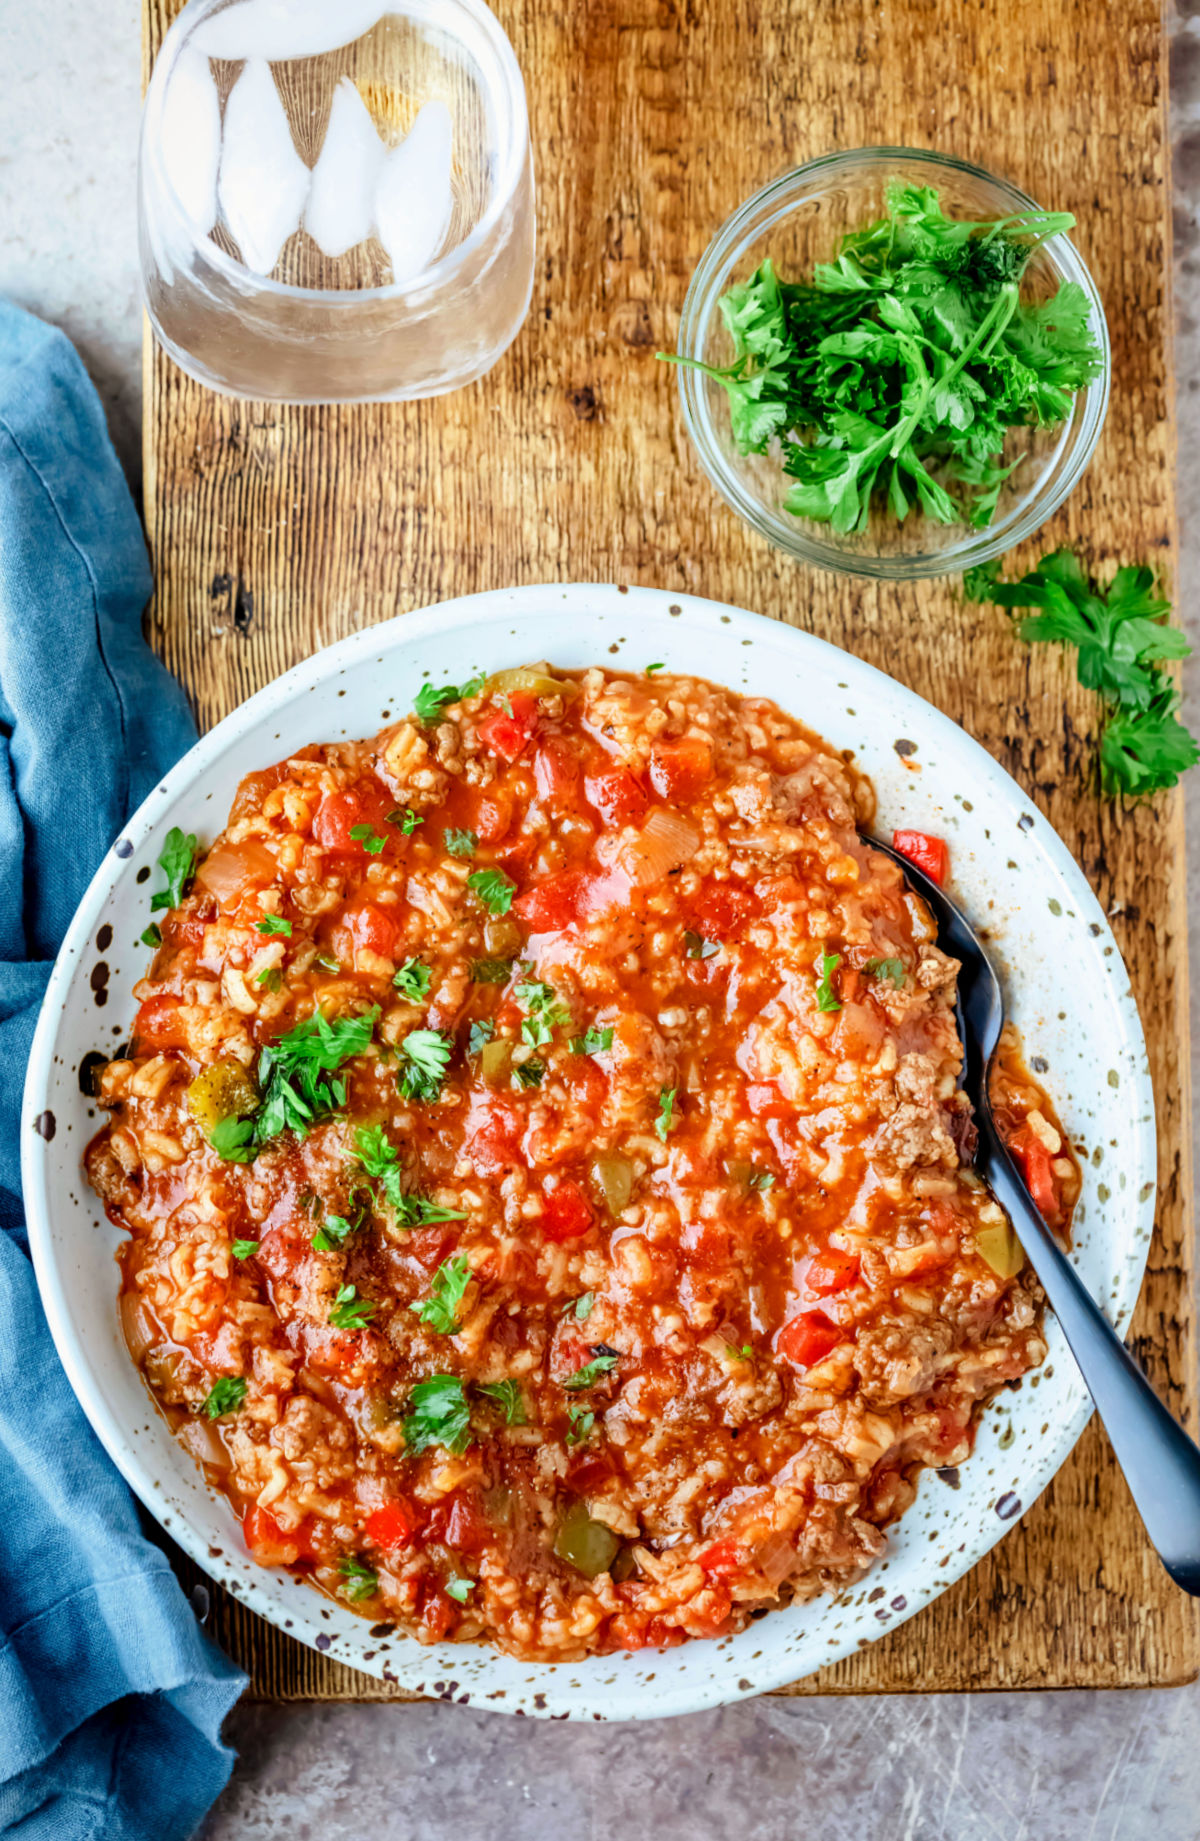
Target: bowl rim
[
  {"x": 721, "y": 1681},
  {"x": 708, "y": 282}
]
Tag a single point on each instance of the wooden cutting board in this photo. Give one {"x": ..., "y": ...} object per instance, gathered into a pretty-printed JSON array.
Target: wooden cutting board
[{"x": 275, "y": 531}]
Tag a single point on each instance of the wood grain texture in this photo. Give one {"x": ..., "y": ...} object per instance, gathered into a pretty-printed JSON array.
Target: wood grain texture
[{"x": 275, "y": 531}]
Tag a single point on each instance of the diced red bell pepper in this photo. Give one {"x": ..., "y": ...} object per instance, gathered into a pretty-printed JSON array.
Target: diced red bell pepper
[
  {"x": 831, "y": 1270},
  {"x": 159, "y": 1024},
  {"x": 392, "y": 1526},
  {"x": 553, "y": 903},
  {"x": 507, "y": 735},
  {"x": 722, "y": 1558},
  {"x": 681, "y": 770},
  {"x": 371, "y": 928},
  {"x": 931, "y": 854},
  {"x": 364, "y": 803},
  {"x": 616, "y": 796},
  {"x": 808, "y": 1338},
  {"x": 268, "y": 1542},
  {"x": 556, "y": 769},
  {"x": 566, "y": 1212},
  {"x": 766, "y": 1101},
  {"x": 1034, "y": 1161}
]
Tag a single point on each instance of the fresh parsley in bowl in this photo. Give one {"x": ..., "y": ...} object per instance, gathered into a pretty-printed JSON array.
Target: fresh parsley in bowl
[{"x": 893, "y": 363}]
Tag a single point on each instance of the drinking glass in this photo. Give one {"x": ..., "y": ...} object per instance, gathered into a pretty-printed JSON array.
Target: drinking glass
[{"x": 336, "y": 197}]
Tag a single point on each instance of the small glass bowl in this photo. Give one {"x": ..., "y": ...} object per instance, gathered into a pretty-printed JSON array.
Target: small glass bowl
[{"x": 798, "y": 220}]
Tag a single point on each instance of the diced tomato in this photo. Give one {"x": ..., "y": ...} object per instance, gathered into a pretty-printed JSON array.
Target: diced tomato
[
  {"x": 566, "y": 1212},
  {"x": 681, "y": 770},
  {"x": 365, "y": 803},
  {"x": 187, "y": 929},
  {"x": 431, "y": 1245},
  {"x": 369, "y": 928},
  {"x": 722, "y": 1558},
  {"x": 808, "y": 1338},
  {"x": 460, "y": 1524},
  {"x": 831, "y": 1270},
  {"x": 587, "y": 1082},
  {"x": 708, "y": 1613},
  {"x": 493, "y": 815},
  {"x": 928, "y": 853},
  {"x": 721, "y": 910},
  {"x": 1033, "y": 1160},
  {"x": 437, "y": 1613},
  {"x": 627, "y": 1632},
  {"x": 766, "y": 1101},
  {"x": 159, "y": 1025},
  {"x": 268, "y": 1542},
  {"x": 392, "y": 1526},
  {"x": 556, "y": 769},
  {"x": 493, "y": 1136},
  {"x": 507, "y": 735},
  {"x": 616, "y": 796},
  {"x": 588, "y": 1475},
  {"x": 553, "y": 903}
]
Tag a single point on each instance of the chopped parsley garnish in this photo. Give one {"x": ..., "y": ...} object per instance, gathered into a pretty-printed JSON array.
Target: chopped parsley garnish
[
  {"x": 327, "y": 962},
  {"x": 438, "y": 1415},
  {"x": 759, "y": 1181},
  {"x": 460, "y": 843},
  {"x": 271, "y": 978},
  {"x": 493, "y": 888},
  {"x": 658, "y": 666},
  {"x": 530, "y": 1073},
  {"x": 581, "y": 1306},
  {"x": 274, "y": 923},
  {"x": 297, "y": 1073},
  {"x": 698, "y": 947},
  {"x": 178, "y": 865},
  {"x": 350, "y": 1312},
  {"x": 508, "y": 1397},
  {"x": 381, "y": 1160},
  {"x": 887, "y": 971},
  {"x": 582, "y": 1421},
  {"x": 245, "y": 1249},
  {"x": 427, "y": 1054},
  {"x": 744, "y": 1354},
  {"x": 491, "y": 971},
  {"x": 666, "y": 1111},
  {"x": 369, "y": 838},
  {"x": 898, "y": 369},
  {"x": 447, "y": 1288},
  {"x": 334, "y": 1232},
  {"x": 430, "y": 701},
  {"x": 361, "y": 1581},
  {"x": 505, "y": 703},
  {"x": 481, "y": 1033},
  {"x": 459, "y": 1589},
  {"x": 413, "y": 980},
  {"x": 1121, "y": 640},
  {"x": 603, "y": 1361},
  {"x": 827, "y": 998},
  {"x": 233, "y": 1140},
  {"x": 226, "y": 1396},
  {"x": 406, "y": 818},
  {"x": 152, "y": 935},
  {"x": 543, "y": 1012},
  {"x": 592, "y": 1042}
]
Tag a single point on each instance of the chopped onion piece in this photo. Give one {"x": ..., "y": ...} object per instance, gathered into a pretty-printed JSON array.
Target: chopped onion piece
[
  {"x": 225, "y": 872},
  {"x": 667, "y": 841}
]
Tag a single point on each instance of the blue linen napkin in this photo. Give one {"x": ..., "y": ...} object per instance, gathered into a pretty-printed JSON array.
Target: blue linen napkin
[{"x": 111, "y": 1697}]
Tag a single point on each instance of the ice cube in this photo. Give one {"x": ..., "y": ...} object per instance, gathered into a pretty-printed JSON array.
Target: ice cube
[
  {"x": 264, "y": 182},
  {"x": 191, "y": 137},
  {"x": 413, "y": 198},
  {"x": 341, "y": 206},
  {"x": 281, "y": 29}
]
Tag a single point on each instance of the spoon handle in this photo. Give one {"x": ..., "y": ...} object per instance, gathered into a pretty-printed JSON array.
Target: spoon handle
[{"x": 1161, "y": 1463}]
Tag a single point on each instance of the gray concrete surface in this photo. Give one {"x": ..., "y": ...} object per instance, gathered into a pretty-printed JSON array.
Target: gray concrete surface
[{"x": 1006, "y": 1767}]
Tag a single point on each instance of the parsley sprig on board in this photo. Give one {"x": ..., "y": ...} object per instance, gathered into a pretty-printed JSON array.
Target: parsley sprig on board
[
  {"x": 894, "y": 375},
  {"x": 1121, "y": 638},
  {"x": 446, "y": 1291}
]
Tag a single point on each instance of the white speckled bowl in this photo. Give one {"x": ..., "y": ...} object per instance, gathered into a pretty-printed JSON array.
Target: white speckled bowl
[{"x": 1066, "y": 989}]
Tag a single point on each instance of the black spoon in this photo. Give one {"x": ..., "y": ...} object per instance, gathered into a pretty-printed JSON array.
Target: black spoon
[{"x": 1161, "y": 1463}]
